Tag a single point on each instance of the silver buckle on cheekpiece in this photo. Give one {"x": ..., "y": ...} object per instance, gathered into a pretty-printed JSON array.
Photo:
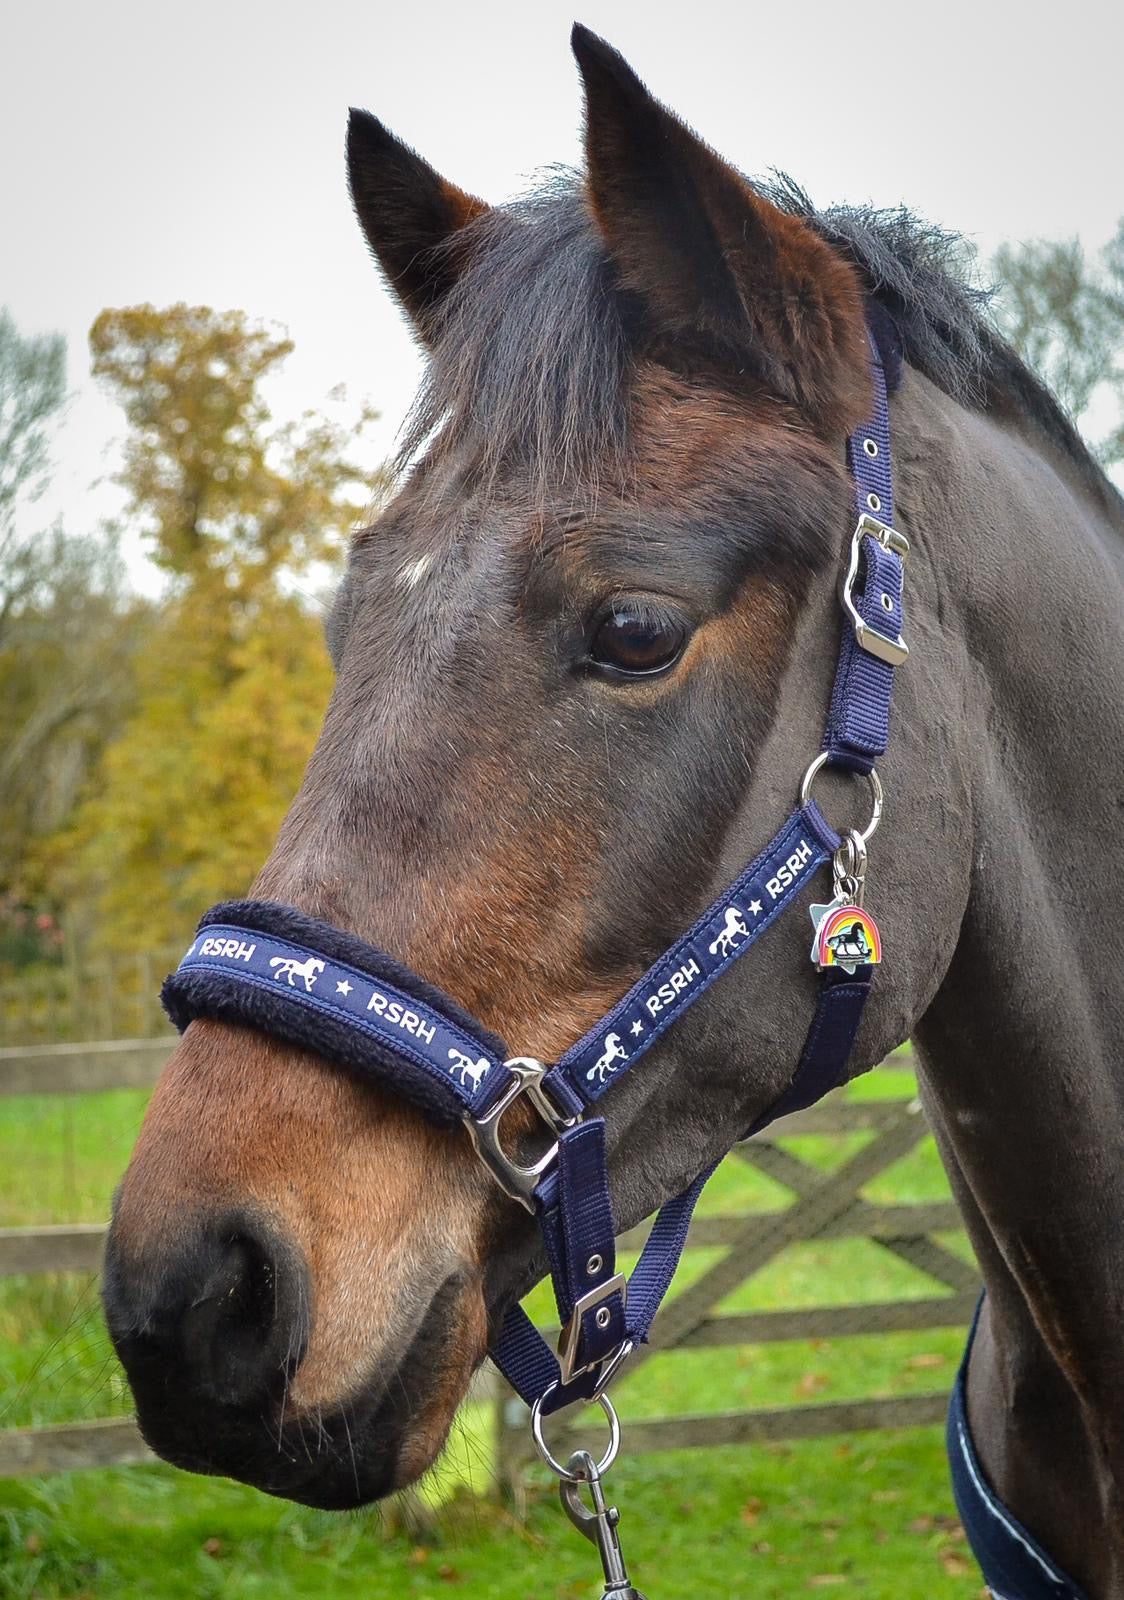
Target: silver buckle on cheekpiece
[
  {"x": 872, "y": 640},
  {"x": 570, "y": 1338},
  {"x": 516, "y": 1180}
]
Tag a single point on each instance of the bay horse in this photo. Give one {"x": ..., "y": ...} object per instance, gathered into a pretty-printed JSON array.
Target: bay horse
[{"x": 603, "y": 599}]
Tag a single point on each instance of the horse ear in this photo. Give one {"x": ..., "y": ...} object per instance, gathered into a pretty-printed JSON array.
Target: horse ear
[
  {"x": 712, "y": 259},
  {"x": 410, "y": 215}
]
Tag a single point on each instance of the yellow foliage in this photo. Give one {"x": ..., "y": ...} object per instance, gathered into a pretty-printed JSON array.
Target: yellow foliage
[
  {"x": 232, "y": 686},
  {"x": 193, "y": 791}
]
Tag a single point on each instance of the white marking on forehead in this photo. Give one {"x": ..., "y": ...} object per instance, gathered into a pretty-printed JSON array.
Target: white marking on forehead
[{"x": 414, "y": 571}]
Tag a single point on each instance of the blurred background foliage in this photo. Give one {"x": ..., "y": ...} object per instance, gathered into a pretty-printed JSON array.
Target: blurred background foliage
[
  {"x": 151, "y": 745},
  {"x": 1065, "y": 315},
  {"x": 150, "y": 742}
]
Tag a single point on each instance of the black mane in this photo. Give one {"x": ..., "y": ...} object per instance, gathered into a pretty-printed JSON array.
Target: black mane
[
  {"x": 920, "y": 273},
  {"x": 533, "y": 351},
  {"x": 531, "y": 358}
]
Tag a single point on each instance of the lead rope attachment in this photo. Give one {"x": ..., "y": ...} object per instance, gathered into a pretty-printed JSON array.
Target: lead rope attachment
[
  {"x": 599, "y": 1525},
  {"x": 597, "y": 1521}
]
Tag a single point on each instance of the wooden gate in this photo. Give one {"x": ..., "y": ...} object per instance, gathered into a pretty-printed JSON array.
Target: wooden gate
[{"x": 823, "y": 1206}]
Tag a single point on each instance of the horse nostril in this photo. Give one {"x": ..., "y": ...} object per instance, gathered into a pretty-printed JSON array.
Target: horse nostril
[
  {"x": 230, "y": 1313},
  {"x": 228, "y": 1329}
]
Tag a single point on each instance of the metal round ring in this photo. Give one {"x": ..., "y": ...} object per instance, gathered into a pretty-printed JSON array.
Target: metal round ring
[
  {"x": 873, "y": 779},
  {"x": 544, "y": 1450}
]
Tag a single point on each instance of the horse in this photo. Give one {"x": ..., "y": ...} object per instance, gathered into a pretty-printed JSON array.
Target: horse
[
  {"x": 604, "y": 594},
  {"x": 734, "y": 929},
  {"x": 468, "y": 1070},
  {"x": 850, "y": 945},
  {"x": 606, "y": 1062},
  {"x": 308, "y": 971}
]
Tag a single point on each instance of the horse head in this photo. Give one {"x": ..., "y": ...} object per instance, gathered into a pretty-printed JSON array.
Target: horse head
[{"x": 603, "y": 596}]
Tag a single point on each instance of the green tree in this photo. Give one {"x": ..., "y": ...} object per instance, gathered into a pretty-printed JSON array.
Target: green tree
[
  {"x": 1065, "y": 316},
  {"x": 240, "y": 513},
  {"x": 65, "y": 640},
  {"x": 32, "y": 391}
]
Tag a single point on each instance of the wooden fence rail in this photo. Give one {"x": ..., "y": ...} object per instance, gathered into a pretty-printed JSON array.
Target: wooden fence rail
[
  {"x": 82, "y": 1068},
  {"x": 36, "y": 1452},
  {"x": 89, "y": 998},
  {"x": 824, "y": 1205}
]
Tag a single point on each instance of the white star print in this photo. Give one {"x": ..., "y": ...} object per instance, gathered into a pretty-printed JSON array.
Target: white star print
[
  {"x": 755, "y": 907},
  {"x": 638, "y": 1027},
  {"x": 343, "y": 988}
]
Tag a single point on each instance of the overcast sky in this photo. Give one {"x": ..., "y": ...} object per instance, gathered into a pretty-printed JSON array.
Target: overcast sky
[{"x": 159, "y": 153}]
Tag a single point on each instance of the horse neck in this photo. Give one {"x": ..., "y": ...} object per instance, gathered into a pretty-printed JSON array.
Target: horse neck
[{"x": 1022, "y": 1071}]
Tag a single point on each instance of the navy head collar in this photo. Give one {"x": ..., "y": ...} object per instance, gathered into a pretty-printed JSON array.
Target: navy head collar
[{"x": 271, "y": 967}]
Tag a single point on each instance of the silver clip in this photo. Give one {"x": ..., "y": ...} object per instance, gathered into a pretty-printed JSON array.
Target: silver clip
[
  {"x": 848, "y": 867},
  {"x": 598, "y": 1525}
]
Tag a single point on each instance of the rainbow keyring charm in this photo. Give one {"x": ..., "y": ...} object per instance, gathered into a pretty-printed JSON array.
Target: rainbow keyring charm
[{"x": 846, "y": 936}]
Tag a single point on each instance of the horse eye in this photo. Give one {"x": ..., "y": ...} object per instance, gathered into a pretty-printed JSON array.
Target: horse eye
[{"x": 638, "y": 643}]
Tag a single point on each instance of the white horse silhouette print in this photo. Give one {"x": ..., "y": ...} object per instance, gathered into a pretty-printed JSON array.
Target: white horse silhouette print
[
  {"x": 605, "y": 1064},
  {"x": 467, "y": 1069},
  {"x": 288, "y": 968},
  {"x": 735, "y": 929}
]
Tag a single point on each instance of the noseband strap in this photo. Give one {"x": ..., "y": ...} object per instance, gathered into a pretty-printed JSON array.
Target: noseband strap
[{"x": 271, "y": 967}]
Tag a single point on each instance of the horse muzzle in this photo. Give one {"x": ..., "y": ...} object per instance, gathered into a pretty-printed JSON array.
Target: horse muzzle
[{"x": 212, "y": 1341}]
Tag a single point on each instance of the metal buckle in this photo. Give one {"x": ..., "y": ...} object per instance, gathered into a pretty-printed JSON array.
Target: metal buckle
[
  {"x": 518, "y": 1181},
  {"x": 570, "y": 1337},
  {"x": 611, "y": 1366},
  {"x": 875, "y": 643}
]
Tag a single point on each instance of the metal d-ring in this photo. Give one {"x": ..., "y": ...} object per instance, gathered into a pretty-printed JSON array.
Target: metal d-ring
[
  {"x": 544, "y": 1450},
  {"x": 515, "y": 1179},
  {"x": 873, "y": 779}
]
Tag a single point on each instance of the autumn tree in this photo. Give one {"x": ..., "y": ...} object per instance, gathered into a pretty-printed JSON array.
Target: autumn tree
[{"x": 242, "y": 515}]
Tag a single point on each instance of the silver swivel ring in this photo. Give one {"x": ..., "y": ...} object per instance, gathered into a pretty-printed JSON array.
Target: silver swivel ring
[
  {"x": 544, "y": 1449},
  {"x": 872, "y": 778}
]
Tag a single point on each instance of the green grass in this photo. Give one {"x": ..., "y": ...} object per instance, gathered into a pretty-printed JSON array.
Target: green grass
[{"x": 866, "y": 1514}]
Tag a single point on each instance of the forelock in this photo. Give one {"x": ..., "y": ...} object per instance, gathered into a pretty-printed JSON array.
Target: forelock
[{"x": 530, "y": 367}]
